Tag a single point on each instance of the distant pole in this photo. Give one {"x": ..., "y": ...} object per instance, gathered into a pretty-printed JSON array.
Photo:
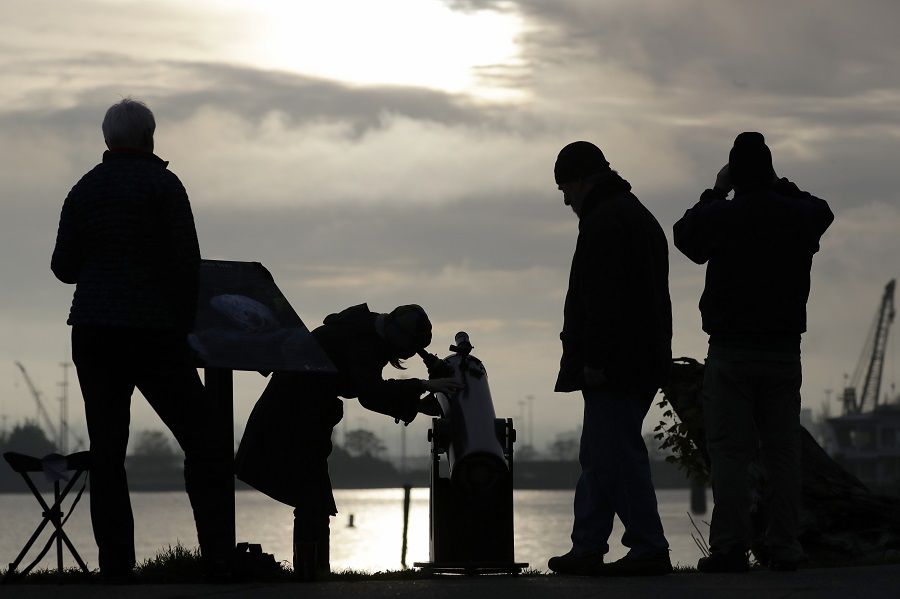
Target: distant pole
[
  {"x": 344, "y": 427},
  {"x": 530, "y": 399},
  {"x": 406, "y": 493},
  {"x": 522, "y": 411},
  {"x": 64, "y": 410},
  {"x": 402, "y": 450}
]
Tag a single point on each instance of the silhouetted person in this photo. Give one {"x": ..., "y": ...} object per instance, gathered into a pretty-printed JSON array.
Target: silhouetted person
[
  {"x": 759, "y": 249},
  {"x": 127, "y": 241},
  {"x": 616, "y": 340},
  {"x": 287, "y": 441}
]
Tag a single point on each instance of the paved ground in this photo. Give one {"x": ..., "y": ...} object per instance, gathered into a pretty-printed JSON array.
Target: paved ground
[{"x": 872, "y": 582}]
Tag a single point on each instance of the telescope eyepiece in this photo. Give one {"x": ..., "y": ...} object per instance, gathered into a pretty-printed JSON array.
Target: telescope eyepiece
[{"x": 461, "y": 344}]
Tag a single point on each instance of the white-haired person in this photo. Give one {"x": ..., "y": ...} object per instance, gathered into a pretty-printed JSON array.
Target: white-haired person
[{"x": 127, "y": 242}]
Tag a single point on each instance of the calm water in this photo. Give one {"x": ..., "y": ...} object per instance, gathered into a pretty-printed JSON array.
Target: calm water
[{"x": 543, "y": 521}]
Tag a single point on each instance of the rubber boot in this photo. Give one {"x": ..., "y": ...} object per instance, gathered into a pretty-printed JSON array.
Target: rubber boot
[
  {"x": 323, "y": 549},
  {"x": 305, "y": 560}
]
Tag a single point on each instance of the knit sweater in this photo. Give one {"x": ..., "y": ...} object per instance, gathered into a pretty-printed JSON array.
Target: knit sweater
[{"x": 127, "y": 241}]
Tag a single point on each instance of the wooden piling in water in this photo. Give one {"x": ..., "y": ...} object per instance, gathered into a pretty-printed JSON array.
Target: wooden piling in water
[{"x": 406, "y": 496}]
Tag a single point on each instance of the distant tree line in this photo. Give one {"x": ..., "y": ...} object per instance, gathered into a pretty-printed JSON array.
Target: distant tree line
[
  {"x": 155, "y": 461},
  {"x": 28, "y": 438}
]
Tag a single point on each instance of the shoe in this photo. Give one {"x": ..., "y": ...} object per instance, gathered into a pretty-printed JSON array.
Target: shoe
[
  {"x": 576, "y": 565},
  {"x": 218, "y": 571},
  {"x": 118, "y": 576},
  {"x": 782, "y": 565},
  {"x": 656, "y": 564},
  {"x": 732, "y": 561}
]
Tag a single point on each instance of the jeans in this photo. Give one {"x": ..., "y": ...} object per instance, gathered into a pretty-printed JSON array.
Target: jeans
[
  {"x": 751, "y": 407},
  {"x": 615, "y": 475},
  {"x": 110, "y": 363}
]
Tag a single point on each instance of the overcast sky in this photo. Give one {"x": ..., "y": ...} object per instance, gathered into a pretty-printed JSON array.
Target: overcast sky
[{"x": 401, "y": 151}]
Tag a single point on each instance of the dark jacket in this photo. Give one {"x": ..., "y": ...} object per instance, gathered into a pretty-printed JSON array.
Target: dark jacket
[
  {"x": 360, "y": 354},
  {"x": 759, "y": 247},
  {"x": 287, "y": 440},
  {"x": 617, "y": 316},
  {"x": 127, "y": 241}
]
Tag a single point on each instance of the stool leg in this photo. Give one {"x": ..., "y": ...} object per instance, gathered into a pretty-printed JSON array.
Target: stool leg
[
  {"x": 25, "y": 549},
  {"x": 65, "y": 538},
  {"x": 51, "y": 514},
  {"x": 38, "y": 530},
  {"x": 57, "y": 521}
]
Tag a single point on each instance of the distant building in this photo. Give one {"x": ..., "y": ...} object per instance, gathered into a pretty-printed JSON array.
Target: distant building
[
  {"x": 868, "y": 445},
  {"x": 814, "y": 426}
]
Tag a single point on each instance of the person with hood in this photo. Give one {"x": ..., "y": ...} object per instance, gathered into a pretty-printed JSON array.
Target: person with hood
[
  {"x": 617, "y": 351},
  {"x": 758, "y": 248},
  {"x": 287, "y": 441}
]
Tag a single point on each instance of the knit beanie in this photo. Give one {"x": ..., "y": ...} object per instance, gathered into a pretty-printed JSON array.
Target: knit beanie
[
  {"x": 577, "y": 161},
  {"x": 750, "y": 161},
  {"x": 407, "y": 328}
]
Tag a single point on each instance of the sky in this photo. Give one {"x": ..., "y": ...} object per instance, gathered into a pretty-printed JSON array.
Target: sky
[{"x": 401, "y": 151}]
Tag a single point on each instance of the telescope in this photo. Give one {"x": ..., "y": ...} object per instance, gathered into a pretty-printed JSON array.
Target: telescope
[{"x": 471, "y": 491}]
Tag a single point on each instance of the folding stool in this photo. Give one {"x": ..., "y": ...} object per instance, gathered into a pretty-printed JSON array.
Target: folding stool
[{"x": 79, "y": 463}]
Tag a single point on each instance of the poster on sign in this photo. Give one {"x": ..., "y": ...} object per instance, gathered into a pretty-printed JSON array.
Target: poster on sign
[{"x": 244, "y": 322}]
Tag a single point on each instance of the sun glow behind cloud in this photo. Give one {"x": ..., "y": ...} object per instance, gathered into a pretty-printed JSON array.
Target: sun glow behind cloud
[{"x": 421, "y": 43}]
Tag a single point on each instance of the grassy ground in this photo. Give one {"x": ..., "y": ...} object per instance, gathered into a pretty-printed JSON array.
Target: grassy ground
[{"x": 180, "y": 565}]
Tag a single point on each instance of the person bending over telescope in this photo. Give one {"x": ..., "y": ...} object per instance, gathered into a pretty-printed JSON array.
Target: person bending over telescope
[{"x": 285, "y": 448}]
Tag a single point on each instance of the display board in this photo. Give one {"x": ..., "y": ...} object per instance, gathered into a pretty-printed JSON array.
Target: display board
[{"x": 244, "y": 322}]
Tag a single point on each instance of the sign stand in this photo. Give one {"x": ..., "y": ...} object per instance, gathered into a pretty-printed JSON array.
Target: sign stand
[
  {"x": 220, "y": 387},
  {"x": 244, "y": 322}
]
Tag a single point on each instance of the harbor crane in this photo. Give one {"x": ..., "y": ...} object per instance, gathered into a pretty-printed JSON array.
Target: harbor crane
[
  {"x": 864, "y": 387},
  {"x": 61, "y": 434}
]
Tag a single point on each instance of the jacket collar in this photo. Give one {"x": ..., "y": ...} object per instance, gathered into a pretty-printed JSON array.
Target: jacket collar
[
  {"x": 131, "y": 154},
  {"x": 608, "y": 186}
]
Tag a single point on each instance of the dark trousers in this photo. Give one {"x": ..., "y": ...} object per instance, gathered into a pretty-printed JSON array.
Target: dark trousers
[
  {"x": 111, "y": 362},
  {"x": 751, "y": 407},
  {"x": 615, "y": 475}
]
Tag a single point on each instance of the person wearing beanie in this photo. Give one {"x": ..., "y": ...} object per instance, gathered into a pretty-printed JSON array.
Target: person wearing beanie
[
  {"x": 616, "y": 351},
  {"x": 758, "y": 248},
  {"x": 285, "y": 448}
]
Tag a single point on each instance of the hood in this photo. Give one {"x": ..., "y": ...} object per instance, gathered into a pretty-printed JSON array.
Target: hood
[{"x": 354, "y": 315}]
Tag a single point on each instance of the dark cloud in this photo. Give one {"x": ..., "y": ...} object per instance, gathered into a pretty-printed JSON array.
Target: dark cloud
[
  {"x": 811, "y": 47},
  {"x": 179, "y": 89}
]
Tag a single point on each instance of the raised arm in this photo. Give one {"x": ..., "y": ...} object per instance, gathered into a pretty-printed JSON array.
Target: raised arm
[
  {"x": 699, "y": 231},
  {"x": 816, "y": 215}
]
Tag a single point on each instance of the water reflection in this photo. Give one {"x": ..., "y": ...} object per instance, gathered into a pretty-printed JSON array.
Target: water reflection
[{"x": 542, "y": 524}]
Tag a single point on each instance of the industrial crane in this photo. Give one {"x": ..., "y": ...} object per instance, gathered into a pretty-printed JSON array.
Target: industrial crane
[
  {"x": 871, "y": 361},
  {"x": 59, "y": 435}
]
